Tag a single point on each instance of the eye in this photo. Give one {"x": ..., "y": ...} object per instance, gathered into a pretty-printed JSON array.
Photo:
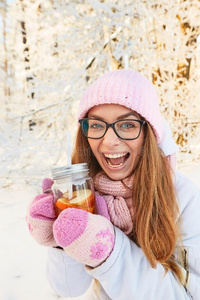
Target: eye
[
  {"x": 96, "y": 125},
  {"x": 128, "y": 125}
]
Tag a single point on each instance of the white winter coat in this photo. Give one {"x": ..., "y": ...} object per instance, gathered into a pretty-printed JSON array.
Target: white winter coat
[{"x": 127, "y": 274}]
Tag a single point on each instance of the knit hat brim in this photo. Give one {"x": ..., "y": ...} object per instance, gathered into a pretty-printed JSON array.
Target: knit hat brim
[{"x": 128, "y": 88}]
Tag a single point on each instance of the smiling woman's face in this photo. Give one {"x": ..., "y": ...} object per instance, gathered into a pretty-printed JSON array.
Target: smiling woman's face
[{"x": 118, "y": 158}]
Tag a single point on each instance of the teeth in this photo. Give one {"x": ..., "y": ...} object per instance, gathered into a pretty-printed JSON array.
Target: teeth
[
  {"x": 115, "y": 155},
  {"x": 115, "y": 166}
]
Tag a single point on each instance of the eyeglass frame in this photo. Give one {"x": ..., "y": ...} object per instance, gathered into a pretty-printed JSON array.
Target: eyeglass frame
[{"x": 112, "y": 125}]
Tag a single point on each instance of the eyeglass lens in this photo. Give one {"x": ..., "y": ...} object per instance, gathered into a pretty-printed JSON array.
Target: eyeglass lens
[{"x": 126, "y": 129}]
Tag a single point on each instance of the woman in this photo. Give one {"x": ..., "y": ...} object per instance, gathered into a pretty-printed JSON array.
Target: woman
[{"x": 145, "y": 241}]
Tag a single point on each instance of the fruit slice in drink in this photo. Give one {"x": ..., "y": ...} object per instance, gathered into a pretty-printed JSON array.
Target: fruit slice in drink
[{"x": 83, "y": 199}]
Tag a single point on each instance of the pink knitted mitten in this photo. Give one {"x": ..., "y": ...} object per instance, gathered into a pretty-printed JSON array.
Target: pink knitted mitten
[
  {"x": 86, "y": 237},
  {"x": 41, "y": 215},
  {"x": 101, "y": 206}
]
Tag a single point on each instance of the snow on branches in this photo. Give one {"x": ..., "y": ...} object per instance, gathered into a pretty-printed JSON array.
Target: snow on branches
[{"x": 51, "y": 50}]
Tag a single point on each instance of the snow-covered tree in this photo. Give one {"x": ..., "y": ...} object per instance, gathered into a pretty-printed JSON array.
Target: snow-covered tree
[{"x": 51, "y": 50}]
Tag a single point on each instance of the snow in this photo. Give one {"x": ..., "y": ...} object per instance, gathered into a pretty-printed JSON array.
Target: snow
[{"x": 22, "y": 260}]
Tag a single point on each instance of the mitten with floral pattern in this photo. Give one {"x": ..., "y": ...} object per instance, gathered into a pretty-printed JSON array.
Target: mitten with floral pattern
[
  {"x": 41, "y": 215},
  {"x": 84, "y": 236}
]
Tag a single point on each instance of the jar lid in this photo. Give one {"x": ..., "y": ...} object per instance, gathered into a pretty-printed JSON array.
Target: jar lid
[{"x": 61, "y": 172}]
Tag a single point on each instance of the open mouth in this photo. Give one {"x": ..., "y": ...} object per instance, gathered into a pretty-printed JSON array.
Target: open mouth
[{"x": 116, "y": 160}]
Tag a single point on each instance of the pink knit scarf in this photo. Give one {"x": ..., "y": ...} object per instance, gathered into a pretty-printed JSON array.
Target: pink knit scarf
[{"x": 118, "y": 196}]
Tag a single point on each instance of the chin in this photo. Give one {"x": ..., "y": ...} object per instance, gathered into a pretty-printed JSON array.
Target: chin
[{"x": 117, "y": 175}]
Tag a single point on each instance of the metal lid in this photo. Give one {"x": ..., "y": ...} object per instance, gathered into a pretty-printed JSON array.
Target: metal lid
[{"x": 61, "y": 172}]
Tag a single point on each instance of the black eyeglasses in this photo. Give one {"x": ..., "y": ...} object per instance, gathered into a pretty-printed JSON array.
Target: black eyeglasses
[{"x": 127, "y": 129}]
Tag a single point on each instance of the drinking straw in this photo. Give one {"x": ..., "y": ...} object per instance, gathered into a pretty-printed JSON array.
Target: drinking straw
[{"x": 69, "y": 160}]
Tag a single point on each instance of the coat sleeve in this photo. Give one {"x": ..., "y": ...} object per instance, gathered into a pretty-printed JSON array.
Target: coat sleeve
[
  {"x": 188, "y": 252},
  {"x": 128, "y": 275},
  {"x": 66, "y": 276}
]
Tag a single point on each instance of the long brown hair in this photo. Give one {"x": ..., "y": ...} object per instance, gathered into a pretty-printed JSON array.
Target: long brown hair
[{"x": 156, "y": 211}]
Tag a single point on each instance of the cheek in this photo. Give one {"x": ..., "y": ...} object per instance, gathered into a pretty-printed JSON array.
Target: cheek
[
  {"x": 137, "y": 146},
  {"x": 141, "y": 142},
  {"x": 93, "y": 145}
]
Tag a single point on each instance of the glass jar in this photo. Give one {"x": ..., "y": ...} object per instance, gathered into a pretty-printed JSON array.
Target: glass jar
[{"x": 73, "y": 188}]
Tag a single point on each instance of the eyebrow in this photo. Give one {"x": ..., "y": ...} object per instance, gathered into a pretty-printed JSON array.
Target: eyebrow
[
  {"x": 119, "y": 118},
  {"x": 127, "y": 115}
]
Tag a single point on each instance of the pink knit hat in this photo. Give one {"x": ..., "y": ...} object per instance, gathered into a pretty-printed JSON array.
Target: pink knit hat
[{"x": 128, "y": 88}]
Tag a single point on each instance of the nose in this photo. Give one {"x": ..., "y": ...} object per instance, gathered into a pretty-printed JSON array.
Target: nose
[{"x": 110, "y": 139}]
